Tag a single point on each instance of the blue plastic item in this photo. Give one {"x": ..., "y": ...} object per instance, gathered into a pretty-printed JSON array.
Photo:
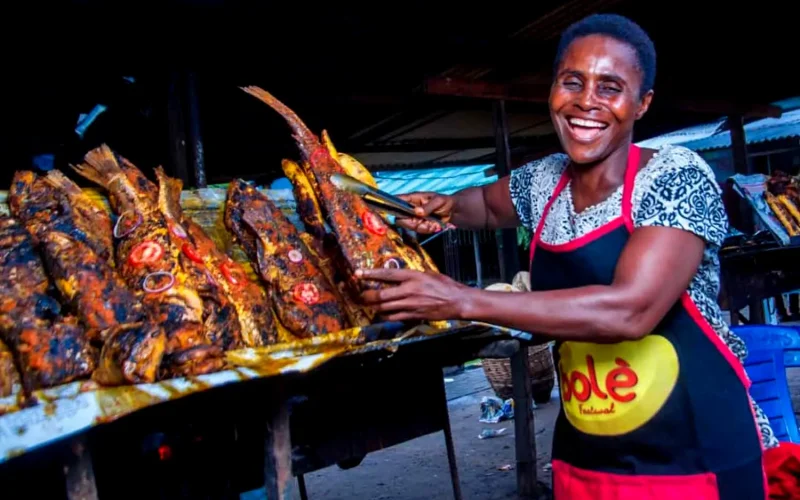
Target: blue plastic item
[{"x": 770, "y": 350}]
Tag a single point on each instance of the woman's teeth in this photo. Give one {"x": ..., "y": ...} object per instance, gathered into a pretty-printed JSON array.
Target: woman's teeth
[{"x": 580, "y": 122}]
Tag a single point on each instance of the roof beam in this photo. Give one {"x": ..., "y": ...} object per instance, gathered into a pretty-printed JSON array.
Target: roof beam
[
  {"x": 540, "y": 94},
  {"x": 487, "y": 90},
  {"x": 460, "y": 144}
]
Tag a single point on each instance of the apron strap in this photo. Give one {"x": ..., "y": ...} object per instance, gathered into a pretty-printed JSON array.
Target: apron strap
[
  {"x": 632, "y": 167},
  {"x": 634, "y": 155},
  {"x": 536, "y": 235}
]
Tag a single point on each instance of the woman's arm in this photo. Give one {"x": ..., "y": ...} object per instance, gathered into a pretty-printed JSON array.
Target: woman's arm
[
  {"x": 484, "y": 207},
  {"x": 655, "y": 268}
]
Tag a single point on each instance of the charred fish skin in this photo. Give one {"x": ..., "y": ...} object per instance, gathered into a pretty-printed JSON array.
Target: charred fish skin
[
  {"x": 361, "y": 233},
  {"x": 304, "y": 301},
  {"x": 83, "y": 276},
  {"x": 221, "y": 324},
  {"x": 148, "y": 261},
  {"x": 49, "y": 349},
  {"x": 251, "y": 303},
  {"x": 131, "y": 355}
]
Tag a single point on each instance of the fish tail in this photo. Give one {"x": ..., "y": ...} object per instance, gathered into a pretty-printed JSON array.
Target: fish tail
[
  {"x": 169, "y": 195},
  {"x": 100, "y": 166},
  {"x": 58, "y": 180},
  {"x": 306, "y": 139}
]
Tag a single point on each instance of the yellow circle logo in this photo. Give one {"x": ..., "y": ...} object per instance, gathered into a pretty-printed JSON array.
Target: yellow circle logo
[{"x": 613, "y": 389}]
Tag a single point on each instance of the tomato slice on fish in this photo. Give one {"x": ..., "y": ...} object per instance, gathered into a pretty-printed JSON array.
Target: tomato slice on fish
[
  {"x": 229, "y": 274},
  {"x": 306, "y": 293},
  {"x": 373, "y": 223},
  {"x": 190, "y": 252},
  {"x": 146, "y": 252}
]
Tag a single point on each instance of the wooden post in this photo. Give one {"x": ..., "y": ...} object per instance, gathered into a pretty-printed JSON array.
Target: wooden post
[
  {"x": 278, "y": 455},
  {"x": 741, "y": 164},
  {"x": 524, "y": 425},
  {"x": 509, "y": 257},
  {"x": 195, "y": 137},
  {"x": 78, "y": 471},
  {"x": 177, "y": 130}
]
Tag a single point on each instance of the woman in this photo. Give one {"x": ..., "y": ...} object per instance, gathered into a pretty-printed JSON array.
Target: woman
[{"x": 624, "y": 277}]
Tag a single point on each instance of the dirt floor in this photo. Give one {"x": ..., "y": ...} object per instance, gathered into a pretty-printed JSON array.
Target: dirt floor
[{"x": 417, "y": 470}]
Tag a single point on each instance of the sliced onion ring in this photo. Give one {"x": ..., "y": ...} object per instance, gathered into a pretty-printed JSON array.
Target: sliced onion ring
[
  {"x": 178, "y": 231},
  {"x": 210, "y": 278},
  {"x": 121, "y": 233},
  {"x": 162, "y": 288},
  {"x": 391, "y": 264}
]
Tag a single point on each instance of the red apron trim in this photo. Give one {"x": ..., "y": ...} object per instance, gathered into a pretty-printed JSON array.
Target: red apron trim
[
  {"x": 585, "y": 239},
  {"x": 572, "y": 483},
  {"x": 706, "y": 328},
  {"x": 537, "y": 234},
  {"x": 631, "y": 169}
]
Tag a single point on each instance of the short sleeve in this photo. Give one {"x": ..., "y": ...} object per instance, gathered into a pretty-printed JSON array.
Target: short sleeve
[
  {"x": 680, "y": 191},
  {"x": 532, "y": 184}
]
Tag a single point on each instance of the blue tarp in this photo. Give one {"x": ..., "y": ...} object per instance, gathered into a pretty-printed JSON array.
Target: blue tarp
[
  {"x": 767, "y": 129},
  {"x": 446, "y": 180}
]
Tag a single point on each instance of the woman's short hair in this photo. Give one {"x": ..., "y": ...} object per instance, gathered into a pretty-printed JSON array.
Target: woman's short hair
[{"x": 620, "y": 28}]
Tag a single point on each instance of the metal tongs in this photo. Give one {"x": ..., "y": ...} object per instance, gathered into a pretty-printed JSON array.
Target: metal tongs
[{"x": 381, "y": 200}]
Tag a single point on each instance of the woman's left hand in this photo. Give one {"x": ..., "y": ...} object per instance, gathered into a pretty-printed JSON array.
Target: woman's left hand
[{"x": 418, "y": 295}]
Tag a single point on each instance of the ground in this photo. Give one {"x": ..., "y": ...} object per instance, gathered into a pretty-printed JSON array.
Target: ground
[{"x": 417, "y": 470}]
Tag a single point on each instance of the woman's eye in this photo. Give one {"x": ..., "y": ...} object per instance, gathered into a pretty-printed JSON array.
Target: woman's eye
[
  {"x": 610, "y": 89},
  {"x": 572, "y": 84}
]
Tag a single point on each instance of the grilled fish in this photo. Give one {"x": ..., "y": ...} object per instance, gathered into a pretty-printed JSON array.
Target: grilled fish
[
  {"x": 304, "y": 301},
  {"x": 221, "y": 322},
  {"x": 148, "y": 260},
  {"x": 361, "y": 233},
  {"x": 50, "y": 349},
  {"x": 75, "y": 239},
  {"x": 9, "y": 376}
]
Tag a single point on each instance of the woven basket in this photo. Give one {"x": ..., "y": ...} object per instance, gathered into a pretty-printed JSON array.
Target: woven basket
[{"x": 540, "y": 369}]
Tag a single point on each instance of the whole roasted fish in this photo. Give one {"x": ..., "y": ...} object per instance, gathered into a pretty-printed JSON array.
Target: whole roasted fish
[
  {"x": 362, "y": 234},
  {"x": 75, "y": 239},
  {"x": 112, "y": 314},
  {"x": 149, "y": 261},
  {"x": 220, "y": 317},
  {"x": 305, "y": 302},
  {"x": 49, "y": 349}
]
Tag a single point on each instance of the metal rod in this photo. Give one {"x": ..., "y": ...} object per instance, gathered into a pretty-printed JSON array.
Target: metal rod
[
  {"x": 301, "y": 486},
  {"x": 478, "y": 271},
  {"x": 448, "y": 442}
]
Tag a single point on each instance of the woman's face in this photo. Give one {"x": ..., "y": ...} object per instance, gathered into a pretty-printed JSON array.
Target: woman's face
[{"x": 595, "y": 97}]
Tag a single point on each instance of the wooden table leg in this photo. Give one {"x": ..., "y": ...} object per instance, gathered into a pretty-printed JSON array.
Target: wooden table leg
[
  {"x": 278, "y": 455},
  {"x": 524, "y": 426},
  {"x": 78, "y": 472}
]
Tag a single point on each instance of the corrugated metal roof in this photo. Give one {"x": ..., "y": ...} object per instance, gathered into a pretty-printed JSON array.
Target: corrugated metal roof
[
  {"x": 441, "y": 180},
  {"x": 767, "y": 129},
  {"x": 683, "y": 135}
]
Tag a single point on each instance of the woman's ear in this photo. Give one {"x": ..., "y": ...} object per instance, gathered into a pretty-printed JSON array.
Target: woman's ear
[{"x": 644, "y": 105}]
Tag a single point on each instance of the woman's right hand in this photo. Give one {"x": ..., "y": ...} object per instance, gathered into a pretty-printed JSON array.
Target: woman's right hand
[{"x": 427, "y": 204}]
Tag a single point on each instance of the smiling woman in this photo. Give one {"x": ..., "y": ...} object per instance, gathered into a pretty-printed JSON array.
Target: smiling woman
[{"x": 624, "y": 277}]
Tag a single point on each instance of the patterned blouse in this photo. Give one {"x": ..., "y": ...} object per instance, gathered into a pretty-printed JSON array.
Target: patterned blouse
[{"x": 675, "y": 189}]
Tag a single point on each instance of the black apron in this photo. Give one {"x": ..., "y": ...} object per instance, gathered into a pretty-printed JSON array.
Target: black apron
[{"x": 665, "y": 416}]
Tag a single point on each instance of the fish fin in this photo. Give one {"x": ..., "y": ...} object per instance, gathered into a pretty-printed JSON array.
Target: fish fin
[
  {"x": 169, "y": 195},
  {"x": 326, "y": 139},
  {"x": 253, "y": 219}
]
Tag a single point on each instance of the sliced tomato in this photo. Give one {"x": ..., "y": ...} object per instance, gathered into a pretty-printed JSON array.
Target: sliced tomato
[
  {"x": 230, "y": 274},
  {"x": 146, "y": 252},
  {"x": 306, "y": 293},
  {"x": 190, "y": 252},
  {"x": 373, "y": 223}
]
